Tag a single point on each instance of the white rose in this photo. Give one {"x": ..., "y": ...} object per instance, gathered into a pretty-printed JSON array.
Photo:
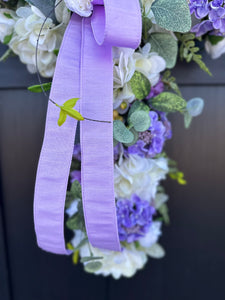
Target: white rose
[
  {"x": 215, "y": 50},
  {"x": 117, "y": 264},
  {"x": 140, "y": 176},
  {"x": 152, "y": 236},
  {"x": 149, "y": 64},
  {"x": 81, "y": 7},
  {"x": 6, "y": 23}
]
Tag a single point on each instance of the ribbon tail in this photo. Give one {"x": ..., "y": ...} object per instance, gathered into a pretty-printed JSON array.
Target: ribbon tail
[
  {"x": 97, "y": 141},
  {"x": 56, "y": 154}
]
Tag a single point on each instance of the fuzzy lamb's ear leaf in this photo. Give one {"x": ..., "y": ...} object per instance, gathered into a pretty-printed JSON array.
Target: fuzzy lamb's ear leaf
[
  {"x": 121, "y": 133},
  {"x": 140, "y": 85},
  {"x": 71, "y": 102},
  {"x": 168, "y": 102},
  {"x": 172, "y": 15},
  {"x": 62, "y": 118}
]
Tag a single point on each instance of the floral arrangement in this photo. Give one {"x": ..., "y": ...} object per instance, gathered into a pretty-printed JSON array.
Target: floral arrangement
[{"x": 144, "y": 94}]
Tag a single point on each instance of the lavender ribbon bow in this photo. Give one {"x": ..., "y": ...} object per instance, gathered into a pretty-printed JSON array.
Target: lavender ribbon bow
[{"x": 84, "y": 69}]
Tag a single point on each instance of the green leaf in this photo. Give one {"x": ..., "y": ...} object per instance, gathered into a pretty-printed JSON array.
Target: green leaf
[
  {"x": 46, "y": 7},
  {"x": 140, "y": 85},
  {"x": 72, "y": 113},
  {"x": 93, "y": 266},
  {"x": 6, "y": 55},
  {"x": 214, "y": 39},
  {"x": 163, "y": 210},
  {"x": 8, "y": 15},
  {"x": 76, "y": 222},
  {"x": 168, "y": 102},
  {"x": 137, "y": 106},
  {"x": 166, "y": 46},
  {"x": 187, "y": 119},
  {"x": 74, "y": 193},
  {"x": 7, "y": 39},
  {"x": 38, "y": 89},
  {"x": 90, "y": 258},
  {"x": 173, "y": 15},
  {"x": 71, "y": 102},
  {"x": 56, "y": 52},
  {"x": 121, "y": 133},
  {"x": 62, "y": 118},
  {"x": 136, "y": 137},
  {"x": 140, "y": 120}
]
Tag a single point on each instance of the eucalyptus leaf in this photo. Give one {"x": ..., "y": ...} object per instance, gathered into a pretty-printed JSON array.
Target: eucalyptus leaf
[
  {"x": 172, "y": 15},
  {"x": 37, "y": 88},
  {"x": 76, "y": 190},
  {"x": 168, "y": 102},
  {"x": 187, "y": 119},
  {"x": 47, "y": 7},
  {"x": 136, "y": 137},
  {"x": 140, "y": 85},
  {"x": 166, "y": 46},
  {"x": 140, "y": 120},
  {"x": 137, "y": 106},
  {"x": 93, "y": 266},
  {"x": 76, "y": 222},
  {"x": 195, "y": 106},
  {"x": 121, "y": 133},
  {"x": 90, "y": 258}
]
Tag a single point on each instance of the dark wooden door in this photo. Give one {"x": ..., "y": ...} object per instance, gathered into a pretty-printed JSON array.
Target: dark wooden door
[{"x": 194, "y": 266}]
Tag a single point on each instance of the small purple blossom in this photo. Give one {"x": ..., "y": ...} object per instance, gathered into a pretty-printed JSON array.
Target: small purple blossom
[
  {"x": 134, "y": 218},
  {"x": 217, "y": 18},
  {"x": 156, "y": 90},
  {"x": 202, "y": 28},
  {"x": 199, "y": 7},
  {"x": 151, "y": 141},
  {"x": 75, "y": 175}
]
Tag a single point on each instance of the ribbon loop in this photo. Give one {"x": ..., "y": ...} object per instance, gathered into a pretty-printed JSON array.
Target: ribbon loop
[{"x": 118, "y": 23}]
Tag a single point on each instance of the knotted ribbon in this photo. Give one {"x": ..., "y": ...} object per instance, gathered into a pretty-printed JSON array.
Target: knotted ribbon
[{"x": 84, "y": 69}]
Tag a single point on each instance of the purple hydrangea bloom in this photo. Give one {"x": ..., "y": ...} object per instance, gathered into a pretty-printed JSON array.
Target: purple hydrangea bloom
[
  {"x": 134, "y": 218},
  {"x": 202, "y": 28},
  {"x": 216, "y": 3},
  {"x": 199, "y": 7},
  {"x": 217, "y": 17},
  {"x": 75, "y": 175},
  {"x": 151, "y": 141},
  {"x": 156, "y": 90}
]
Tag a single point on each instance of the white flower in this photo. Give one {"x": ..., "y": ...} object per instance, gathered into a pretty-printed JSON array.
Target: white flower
[
  {"x": 81, "y": 7},
  {"x": 117, "y": 264},
  {"x": 215, "y": 50},
  {"x": 6, "y": 23},
  {"x": 140, "y": 176},
  {"x": 24, "y": 41},
  {"x": 124, "y": 94},
  {"x": 152, "y": 236},
  {"x": 149, "y": 64}
]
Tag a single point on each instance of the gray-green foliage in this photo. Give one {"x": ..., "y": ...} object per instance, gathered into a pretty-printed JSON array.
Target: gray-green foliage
[
  {"x": 90, "y": 258},
  {"x": 46, "y": 7},
  {"x": 74, "y": 193},
  {"x": 121, "y": 133},
  {"x": 190, "y": 52},
  {"x": 76, "y": 222},
  {"x": 194, "y": 108},
  {"x": 173, "y": 15},
  {"x": 168, "y": 102},
  {"x": 140, "y": 85},
  {"x": 140, "y": 120},
  {"x": 166, "y": 46},
  {"x": 93, "y": 266},
  {"x": 170, "y": 82}
]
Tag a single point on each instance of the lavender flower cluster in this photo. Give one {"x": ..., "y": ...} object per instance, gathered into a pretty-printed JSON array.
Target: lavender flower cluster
[{"x": 211, "y": 14}]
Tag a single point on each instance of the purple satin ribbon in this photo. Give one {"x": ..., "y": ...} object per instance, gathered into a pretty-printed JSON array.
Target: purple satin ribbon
[{"x": 84, "y": 69}]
